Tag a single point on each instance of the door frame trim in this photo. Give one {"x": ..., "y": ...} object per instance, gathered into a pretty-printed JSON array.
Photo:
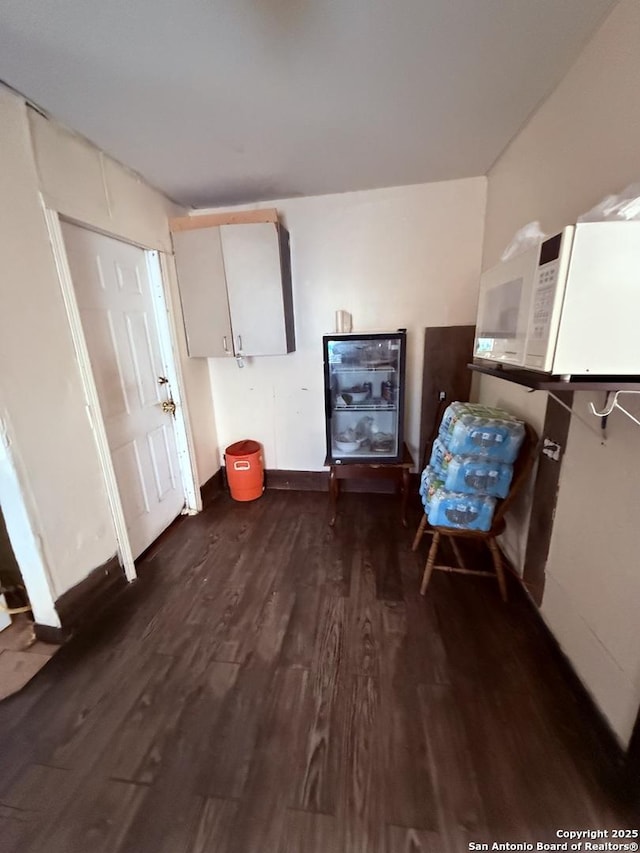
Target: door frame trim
[
  {"x": 168, "y": 345},
  {"x": 159, "y": 277}
]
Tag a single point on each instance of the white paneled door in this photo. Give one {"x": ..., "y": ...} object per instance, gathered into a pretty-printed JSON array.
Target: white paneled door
[{"x": 114, "y": 298}]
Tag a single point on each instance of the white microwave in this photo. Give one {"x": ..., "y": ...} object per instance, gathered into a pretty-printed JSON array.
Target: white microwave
[{"x": 569, "y": 306}]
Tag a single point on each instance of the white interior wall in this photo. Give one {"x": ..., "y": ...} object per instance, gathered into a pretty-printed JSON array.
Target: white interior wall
[
  {"x": 580, "y": 145},
  {"x": 405, "y": 257},
  {"x": 42, "y": 405}
]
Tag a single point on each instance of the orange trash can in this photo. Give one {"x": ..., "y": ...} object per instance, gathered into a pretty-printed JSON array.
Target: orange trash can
[{"x": 245, "y": 470}]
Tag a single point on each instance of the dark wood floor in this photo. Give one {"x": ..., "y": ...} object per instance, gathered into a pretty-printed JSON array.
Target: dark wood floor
[{"x": 271, "y": 685}]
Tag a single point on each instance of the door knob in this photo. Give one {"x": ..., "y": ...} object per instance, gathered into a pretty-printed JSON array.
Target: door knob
[{"x": 169, "y": 407}]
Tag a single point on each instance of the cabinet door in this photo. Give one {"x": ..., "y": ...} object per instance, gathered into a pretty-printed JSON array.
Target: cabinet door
[
  {"x": 203, "y": 292},
  {"x": 254, "y": 284}
]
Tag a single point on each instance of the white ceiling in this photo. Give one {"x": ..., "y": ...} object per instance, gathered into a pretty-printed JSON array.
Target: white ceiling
[{"x": 223, "y": 101}]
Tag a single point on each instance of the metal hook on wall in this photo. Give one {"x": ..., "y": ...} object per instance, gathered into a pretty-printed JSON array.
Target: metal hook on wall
[{"x": 612, "y": 403}]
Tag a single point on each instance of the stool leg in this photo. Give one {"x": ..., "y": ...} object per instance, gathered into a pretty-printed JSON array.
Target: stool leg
[
  {"x": 420, "y": 533},
  {"x": 456, "y": 551},
  {"x": 333, "y": 495},
  {"x": 405, "y": 495},
  {"x": 431, "y": 559},
  {"x": 497, "y": 564}
]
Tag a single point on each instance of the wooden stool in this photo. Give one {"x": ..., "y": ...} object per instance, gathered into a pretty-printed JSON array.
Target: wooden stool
[{"x": 398, "y": 471}]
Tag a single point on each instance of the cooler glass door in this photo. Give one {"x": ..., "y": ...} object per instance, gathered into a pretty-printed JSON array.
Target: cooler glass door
[{"x": 364, "y": 394}]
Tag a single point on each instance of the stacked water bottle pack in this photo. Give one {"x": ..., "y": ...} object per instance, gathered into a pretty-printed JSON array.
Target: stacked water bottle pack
[{"x": 471, "y": 466}]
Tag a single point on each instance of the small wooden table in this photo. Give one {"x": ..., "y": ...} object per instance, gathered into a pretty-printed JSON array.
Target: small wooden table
[{"x": 398, "y": 471}]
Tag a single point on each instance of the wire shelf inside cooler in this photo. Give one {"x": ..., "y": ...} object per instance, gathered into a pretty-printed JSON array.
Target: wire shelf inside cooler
[{"x": 353, "y": 368}]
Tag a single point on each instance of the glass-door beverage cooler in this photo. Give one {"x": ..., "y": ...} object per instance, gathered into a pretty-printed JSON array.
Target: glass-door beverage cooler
[{"x": 364, "y": 397}]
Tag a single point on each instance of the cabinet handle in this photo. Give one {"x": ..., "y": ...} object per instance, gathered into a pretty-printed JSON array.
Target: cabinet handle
[
  {"x": 224, "y": 343},
  {"x": 239, "y": 343}
]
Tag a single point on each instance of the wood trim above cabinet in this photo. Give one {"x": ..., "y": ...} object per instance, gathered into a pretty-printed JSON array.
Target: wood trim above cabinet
[{"x": 209, "y": 220}]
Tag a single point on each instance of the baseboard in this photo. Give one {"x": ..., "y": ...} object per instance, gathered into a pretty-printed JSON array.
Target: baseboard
[
  {"x": 318, "y": 481},
  {"x": 299, "y": 481},
  {"x": 622, "y": 767},
  {"x": 212, "y": 488},
  {"x": 51, "y": 635},
  {"x": 85, "y": 599}
]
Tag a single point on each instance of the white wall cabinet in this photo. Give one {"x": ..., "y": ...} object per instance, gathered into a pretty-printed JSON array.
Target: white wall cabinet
[{"x": 235, "y": 288}]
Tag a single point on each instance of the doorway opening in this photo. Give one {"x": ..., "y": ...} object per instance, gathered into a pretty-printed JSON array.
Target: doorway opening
[{"x": 13, "y": 593}]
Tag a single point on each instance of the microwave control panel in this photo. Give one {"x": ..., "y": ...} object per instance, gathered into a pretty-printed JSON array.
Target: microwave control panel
[
  {"x": 548, "y": 289},
  {"x": 543, "y": 301}
]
